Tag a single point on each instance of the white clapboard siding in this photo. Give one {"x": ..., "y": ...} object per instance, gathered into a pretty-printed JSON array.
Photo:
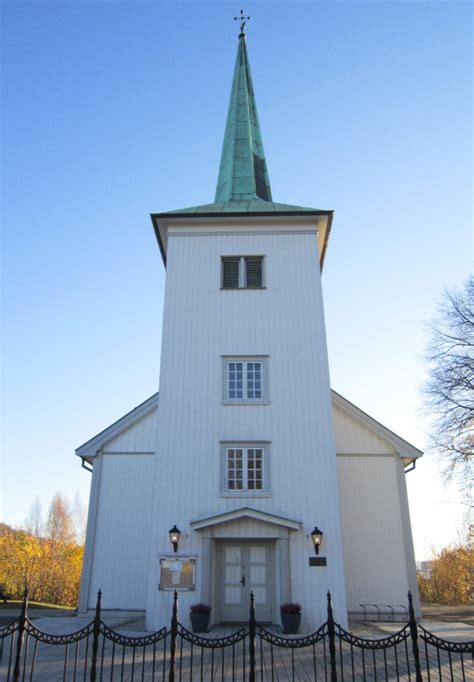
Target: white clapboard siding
[
  {"x": 284, "y": 321},
  {"x": 122, "y": 531},
  {"x": 372, "y": 528},
  {"x": 139, "y": 437}
]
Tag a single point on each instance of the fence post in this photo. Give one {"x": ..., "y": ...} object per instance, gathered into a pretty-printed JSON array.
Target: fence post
[
  {"x": 414, "y": 638},
  {"x": 174, "y": 635},
  {"x": 332, "y": 640},
  {"x": 95, "y": 638},
  {"x": 252, "y": 630},
  {"x": 21, "y": 631}
]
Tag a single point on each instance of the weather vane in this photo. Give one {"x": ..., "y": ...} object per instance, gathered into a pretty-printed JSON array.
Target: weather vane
[{"x": 242, "y": 20}]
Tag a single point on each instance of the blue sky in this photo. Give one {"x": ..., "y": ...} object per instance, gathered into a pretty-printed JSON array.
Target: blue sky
[{"x": 113, "y": 110}]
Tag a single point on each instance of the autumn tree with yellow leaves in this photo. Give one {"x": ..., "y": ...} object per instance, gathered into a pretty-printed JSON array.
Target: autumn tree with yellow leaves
[
  {"x": 452, "y": 577},
  {"x": 47, "y": 559}
]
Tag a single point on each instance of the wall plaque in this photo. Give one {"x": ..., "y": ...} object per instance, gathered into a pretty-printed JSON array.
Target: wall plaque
[
  {"x": 177, "y": 573},
  {"x": 317, "y": 561}
]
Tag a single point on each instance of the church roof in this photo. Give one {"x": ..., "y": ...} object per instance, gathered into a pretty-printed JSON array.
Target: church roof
[
  {"x": 249, "y": 206},
  {"x": 91, "y": 448},
  {"x": 243, "y": 184}
]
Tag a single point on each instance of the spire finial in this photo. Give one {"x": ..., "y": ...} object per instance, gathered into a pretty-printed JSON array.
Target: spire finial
[{"x": 243, "y": 19}]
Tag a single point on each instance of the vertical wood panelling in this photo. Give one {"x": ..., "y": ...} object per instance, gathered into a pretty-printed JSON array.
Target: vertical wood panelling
[
  {"x": 122, "y": 533},
  {"x": 284, "y": 321},
  {"x": 140, "y": 437},
  {"x": 374, "y": 549},
  {"x": 353, "y": 437}
]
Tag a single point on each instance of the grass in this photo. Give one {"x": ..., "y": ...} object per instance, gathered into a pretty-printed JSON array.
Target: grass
[{"x": 16, "y": 604}]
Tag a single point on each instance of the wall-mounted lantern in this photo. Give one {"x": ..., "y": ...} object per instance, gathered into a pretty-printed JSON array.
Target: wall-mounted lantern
[
  {"x": 174, "y": 537},
  {"x": 317, "y": 538}
]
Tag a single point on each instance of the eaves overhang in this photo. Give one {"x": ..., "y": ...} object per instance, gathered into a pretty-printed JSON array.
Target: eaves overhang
[
  {"x": 161, "y": 221},
  {"x": 242, "y": 513}
]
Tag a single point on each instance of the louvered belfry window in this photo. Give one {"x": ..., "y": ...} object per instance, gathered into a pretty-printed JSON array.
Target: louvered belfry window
[
  {"x": 253, "y": 273},
  {"x": 230, "y": 273},
  {"x": 242, "y": 272}
]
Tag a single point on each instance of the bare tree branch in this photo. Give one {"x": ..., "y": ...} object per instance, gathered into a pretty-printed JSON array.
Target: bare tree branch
[{"x": 449, "y": 391}]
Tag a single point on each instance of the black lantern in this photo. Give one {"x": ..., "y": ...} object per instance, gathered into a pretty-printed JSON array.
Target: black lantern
[
  {"x": 174, "y": 537},
  {"x": 317, "y": 538}
]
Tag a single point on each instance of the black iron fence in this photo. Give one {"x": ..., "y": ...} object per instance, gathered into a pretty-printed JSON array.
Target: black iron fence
[{"x": 97, "y": 653}]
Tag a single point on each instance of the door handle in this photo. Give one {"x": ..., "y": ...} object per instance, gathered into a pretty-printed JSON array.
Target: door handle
[{"x": 242, "y": 580}]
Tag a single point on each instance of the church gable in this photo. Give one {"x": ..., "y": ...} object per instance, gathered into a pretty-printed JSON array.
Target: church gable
[
  {"x": 135, "y": 432},
  {"x": 139, "y": 437},
  {"x": 357, "y": 433},
  {"x": 355, "y": 438}
]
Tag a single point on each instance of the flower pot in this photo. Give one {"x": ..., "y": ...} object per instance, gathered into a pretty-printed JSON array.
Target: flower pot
[
  {"x": 200, "y": 622},
  {"x": 290, "y": 622}
]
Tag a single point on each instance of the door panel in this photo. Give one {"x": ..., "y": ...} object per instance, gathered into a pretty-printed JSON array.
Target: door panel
[
  {"x": 244, "y": 568},
  {"x": 258, "y": 571},
  {"x": 232, "y": 594}
]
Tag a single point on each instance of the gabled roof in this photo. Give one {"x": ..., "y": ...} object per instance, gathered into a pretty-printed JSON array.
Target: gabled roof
[
  {"x": 90, "y": 448},
  {"x": 403, "y": 448}
]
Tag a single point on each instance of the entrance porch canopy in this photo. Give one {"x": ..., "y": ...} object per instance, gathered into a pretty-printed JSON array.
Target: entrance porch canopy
[{"x": 242, "y": 513}]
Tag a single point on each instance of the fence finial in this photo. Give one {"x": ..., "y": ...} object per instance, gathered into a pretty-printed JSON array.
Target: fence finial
[
  {"x": 329, "y": 607},
  {"x": 95, "y": 638}
]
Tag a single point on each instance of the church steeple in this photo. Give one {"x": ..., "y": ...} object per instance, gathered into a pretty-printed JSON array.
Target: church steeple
[
  {"x": 243, "y": 186},
  {"x": 243, "y": 172}
]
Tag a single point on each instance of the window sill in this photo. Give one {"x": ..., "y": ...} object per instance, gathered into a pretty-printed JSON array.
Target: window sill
[
  {"x": 245, "y": 403},
  {"x": 244, "y": 493},
  {"x": 243, "y": 288}
]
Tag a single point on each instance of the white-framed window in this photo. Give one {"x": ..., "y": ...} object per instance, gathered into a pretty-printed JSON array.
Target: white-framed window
[
  {"x": 245, "y": 379},
  {"x": 246, "y": 469},
  {"x": 242, "y": 272}
]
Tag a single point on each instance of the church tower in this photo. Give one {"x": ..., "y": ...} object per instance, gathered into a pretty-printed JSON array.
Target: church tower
[{"x": 245, "y": 462}]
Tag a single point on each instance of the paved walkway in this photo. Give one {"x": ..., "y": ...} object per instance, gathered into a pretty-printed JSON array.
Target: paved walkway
[
  {"x": 118, "y": 659},
  {"x": 455, "y": 632},
  {"x": 453, "y": 614}
]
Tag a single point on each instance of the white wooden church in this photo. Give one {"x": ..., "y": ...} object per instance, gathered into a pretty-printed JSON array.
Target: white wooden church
[{"x": 246, "y": 453}]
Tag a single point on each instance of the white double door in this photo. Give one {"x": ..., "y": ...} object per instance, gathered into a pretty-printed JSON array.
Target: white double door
[{"x": 245, "y": 567}]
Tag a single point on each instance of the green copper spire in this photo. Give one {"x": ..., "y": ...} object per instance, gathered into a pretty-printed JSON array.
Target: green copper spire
[{"x": 243, "y": 172}]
